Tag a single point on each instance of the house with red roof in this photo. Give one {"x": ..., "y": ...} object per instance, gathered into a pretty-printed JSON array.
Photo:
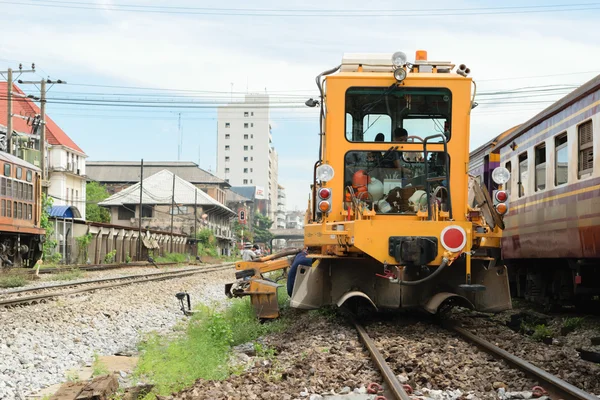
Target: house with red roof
[{"x": 65, "y": 161}]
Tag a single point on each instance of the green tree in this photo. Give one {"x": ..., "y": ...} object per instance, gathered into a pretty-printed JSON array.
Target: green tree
[
  {"x": 49, "y": 244},
  {"x": 237, "y": 230},
  {"x": 261, "y": 228},
  {"x": 95, "y": 193}
]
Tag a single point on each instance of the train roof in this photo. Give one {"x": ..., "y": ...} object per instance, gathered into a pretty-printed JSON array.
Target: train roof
[
  {"x": 484, "y": 148},
  {"x": 582, "y": 91},
  {"x": 17, "y": 161}
]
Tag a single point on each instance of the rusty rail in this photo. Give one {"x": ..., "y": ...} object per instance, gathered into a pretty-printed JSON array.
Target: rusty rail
[
  {"x": 556, "y": 387},
  {"x": 388, "y": 375}
]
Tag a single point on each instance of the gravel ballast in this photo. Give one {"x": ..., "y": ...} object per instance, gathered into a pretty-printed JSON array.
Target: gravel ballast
[{"x": 39, "y": 343}]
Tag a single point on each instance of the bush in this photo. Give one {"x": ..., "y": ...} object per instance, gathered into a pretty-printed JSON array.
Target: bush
[
  {"x": 541, "y": 332},
  {"x": 110, "y": 257},
  {"x": 12, "y": 281}
]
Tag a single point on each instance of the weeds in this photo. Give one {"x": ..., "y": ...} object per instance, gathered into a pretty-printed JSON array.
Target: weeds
[
  {"x": 98, "y": 367},
  {"x": 541, "y": 332},
  {"x": 571, "y": 324},
  {"x": 12, "y": 281},
  {"x": 172, "y": 257},
  {"x": 68, "y": 275},
  {"x": 72, "y": 376},
  {"x": 204, "y": 350}
]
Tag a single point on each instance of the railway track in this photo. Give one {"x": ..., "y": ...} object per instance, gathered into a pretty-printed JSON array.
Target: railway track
[
  {"x": 550, "y": 386},
  {"x": 96, "y": 267},
  {"x": 41, "y": 294}
]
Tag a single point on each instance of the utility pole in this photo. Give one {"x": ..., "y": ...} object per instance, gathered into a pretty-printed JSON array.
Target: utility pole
[
  {"x": 9, "y": 99},
  {"x": 9, "y": 128},
  {"x": 43, "y": 91},
  {"x": 139, "y": 257},
  {"x": 179, "y": 145},
  {"x": 196, "y": 218},
  {"x": 172, "y": 211}
]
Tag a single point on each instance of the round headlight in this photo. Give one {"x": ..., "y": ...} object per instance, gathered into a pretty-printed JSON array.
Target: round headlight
[
  {"x": 400, "y": 74},
  {"x": 399, "y": 59},
  {"x": 325, "y": 172},
  {"x": 500, "y": 175}
]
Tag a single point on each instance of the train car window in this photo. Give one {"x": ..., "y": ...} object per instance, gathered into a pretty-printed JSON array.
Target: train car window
[
  {"x": 3, "y": 208},
  {"x": 561, "y": 162},
  {"x": 422, "y": 112},
  {"x": 29, "y": 213},
  {"x": 19, "y": 173},
  {"x": 29, "y": 176},
  {"x": 8, "y": 209},
  {"x": 392, "y": 182},
  {"x": 586, "y": 151},
  {"x": 6, "y": 169},
  {"x": 509, "y": 168},
  {"x": 540, "y": 167},
  {"x": 522, "y": 174}
]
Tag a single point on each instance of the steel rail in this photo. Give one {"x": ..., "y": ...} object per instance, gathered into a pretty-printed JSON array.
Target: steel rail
[
  {"x": 388, "y": 375},
  {"x": 92, "y": 267},
  {"x": 556, "y": 387},
  {"x": 122, "y": 281}
]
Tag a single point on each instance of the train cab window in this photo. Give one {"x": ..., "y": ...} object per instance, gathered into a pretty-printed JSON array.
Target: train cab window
[
  {"x": 29, "y": 176},
  {"x": 561, "y": 162},
  {"x": 19, "y": 173},
  {"x": 540, "y": 167},
  {"x": 586, "y": 150},
  {"x": 507, "y": 185},
  {"x": 422, "y": 112},
  {"x": 7, "y": 170},
  {"x": 522, "y": 182},
  {"x": 394, "y": 182}
]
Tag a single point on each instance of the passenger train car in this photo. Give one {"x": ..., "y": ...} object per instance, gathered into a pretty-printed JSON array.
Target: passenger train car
[
  {"x": 21, "y": 235},
  {"x": 551, "y": 241},
  {"x": 389, "y": 222}
]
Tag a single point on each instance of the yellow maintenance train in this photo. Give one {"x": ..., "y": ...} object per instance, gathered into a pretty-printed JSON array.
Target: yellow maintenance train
[{"x": 394, "y": 219}]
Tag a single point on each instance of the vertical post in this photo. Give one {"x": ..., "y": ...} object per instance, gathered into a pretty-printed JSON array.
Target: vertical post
[
  {"x": 9, "y": 128},
  {"x": 43, "y": 128},
  {"x": 196, "y": 218},
  {"x": 139, "y": 257},
  {"x": 172, "y": 211}
]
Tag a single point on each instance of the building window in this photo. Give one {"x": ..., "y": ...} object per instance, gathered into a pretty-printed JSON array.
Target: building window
[
  {"x": 8, "y": 208},
  {"x": 245, "y": 113},
  {"x": 245, "y": 136},
  {"x": 245, "y": 159},
  {"x": 14, "y": 209},
  {"x": 3, "y": 208},
  {"x": 251, "y": 147},
  {"x": 250, "y": 180},
  {"x": 251, "y": 170},
  {"x": 19, "y": 210},
  {"x": 72, "y": 195},
  {"x": 76, "y": 195},
  {"x": 3, "y": 187},
  {"x": 245, "y": 124},
  {"x": 251, "y": 136},
  {"x": 8, "y": 187},
  {"x": 226, "y": 170},
  {"x": 19, "y": 173},
  {"x": 6, "y": 169},
  {"x": 227, "y": 125},
  {"x": 252, "y": 113},
  {"x": 179, "y": 210},
  {"x": 586, "y": 151},
  {"x": 522, "y": 174},
  {"x": 561, "y": 162},
  {"x": 251, "y": 158},
  {"x": 227, "y": 136},
  {"x": 227, "y": 180},
  {"x": 29, "y": 176},
  {"x": 147, "y": 211},
  {"x": 540, "y": 167},
  {"x": 245, "y": 148},
  {"x": 227, "y": 158},
  {"x": 245, "y": 170},
  {"x": 227, "y": 147},
  {"x": 29, "y": 214},
  {"x": 245, "y": 181},
  {"x": 125, "y": 213}
]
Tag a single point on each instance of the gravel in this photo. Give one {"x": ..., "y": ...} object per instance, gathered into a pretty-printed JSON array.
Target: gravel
[{"x": 39, "y": 343}]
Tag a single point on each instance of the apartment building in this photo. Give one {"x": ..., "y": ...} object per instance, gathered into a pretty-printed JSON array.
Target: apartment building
[{"x": 245, "y": 152}]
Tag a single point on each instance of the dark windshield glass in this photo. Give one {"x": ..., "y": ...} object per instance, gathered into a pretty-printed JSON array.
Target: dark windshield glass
[
  {"x": 390, "y": 114},
  {"x": 393, "y": 182}
]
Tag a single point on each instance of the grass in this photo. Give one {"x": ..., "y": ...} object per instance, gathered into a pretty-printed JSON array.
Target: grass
[
  {"x": 172, "y": 257},
  {"x": 203, "y": 349},
  {"x": 541, "y": 332},
  {"x": 73, "y": 376},
  {"x": 573, "y": 323},
  {"x": 98, "y": 367},
  {"x": 68, "y": 275},
  {"x": 12, "y": 281}
]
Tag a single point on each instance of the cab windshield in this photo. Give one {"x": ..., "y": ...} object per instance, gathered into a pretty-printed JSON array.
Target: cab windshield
[
  {"x": 394, "y": 182},
  {"x": 386, "y": 114}
]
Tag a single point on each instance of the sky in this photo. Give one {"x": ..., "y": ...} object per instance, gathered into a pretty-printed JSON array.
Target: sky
[{"x": 127, "y": 51}]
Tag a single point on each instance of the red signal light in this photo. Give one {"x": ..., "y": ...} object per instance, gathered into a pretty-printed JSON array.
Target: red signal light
[
  {"x": 324, "y": 193},
  {"x": 501, "y": 196}
]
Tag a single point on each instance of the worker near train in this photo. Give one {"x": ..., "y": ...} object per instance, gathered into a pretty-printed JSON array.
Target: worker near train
[
  {"x": 249, "y": 253},
  {"x": 300, "y": 259}
]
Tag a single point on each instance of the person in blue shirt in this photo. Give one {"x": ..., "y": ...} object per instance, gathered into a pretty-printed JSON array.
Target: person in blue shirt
[{"x": 300, "y": 259}]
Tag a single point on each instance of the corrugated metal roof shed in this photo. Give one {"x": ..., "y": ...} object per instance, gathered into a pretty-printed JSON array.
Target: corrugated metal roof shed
[
  {"x": 129, "y": 171},
  {"x": 157, "y": 189},
  {"x": 64, "y": 212}
]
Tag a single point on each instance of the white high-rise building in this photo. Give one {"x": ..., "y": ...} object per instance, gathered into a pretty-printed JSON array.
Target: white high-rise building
[{"x": 245, "y": 152}]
